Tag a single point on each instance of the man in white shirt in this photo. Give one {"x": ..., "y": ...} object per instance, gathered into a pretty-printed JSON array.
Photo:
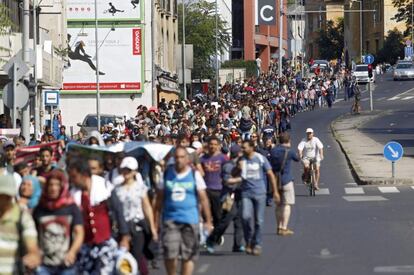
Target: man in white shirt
[{"x": 311, "y": 149}]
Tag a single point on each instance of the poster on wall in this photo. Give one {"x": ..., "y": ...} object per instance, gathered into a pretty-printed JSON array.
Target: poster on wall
[
  {"x": 113, "y": 10},
  {"x": 120, "y": 60}
]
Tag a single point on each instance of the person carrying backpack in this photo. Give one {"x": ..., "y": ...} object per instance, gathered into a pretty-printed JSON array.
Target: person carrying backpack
[
  {"x": 281, "y": 157},
  {"x": 178, "y": 196}
]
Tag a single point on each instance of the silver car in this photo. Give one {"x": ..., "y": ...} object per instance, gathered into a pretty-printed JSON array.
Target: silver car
[
  {"x": 404, "y": 70},
  {"x": 90, "y": 122}
]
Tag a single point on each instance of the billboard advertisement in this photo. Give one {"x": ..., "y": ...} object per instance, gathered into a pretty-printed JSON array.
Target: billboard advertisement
[
  {"x": 120, "y": 60},
  {"x": 111, "y": 10}
]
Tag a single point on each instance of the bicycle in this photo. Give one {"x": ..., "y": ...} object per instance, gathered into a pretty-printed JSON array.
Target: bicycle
[{"x": 310, "y": 178}]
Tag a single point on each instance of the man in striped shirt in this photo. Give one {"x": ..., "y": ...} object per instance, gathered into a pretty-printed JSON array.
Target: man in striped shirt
[{"x": 17, "y": 233}]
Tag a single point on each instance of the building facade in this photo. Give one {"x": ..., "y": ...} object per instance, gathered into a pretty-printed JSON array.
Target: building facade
[
  {"x": 165, "y": 40},
  {"x": 372, "y": 25},
  {"x": 48, "y": 60}
]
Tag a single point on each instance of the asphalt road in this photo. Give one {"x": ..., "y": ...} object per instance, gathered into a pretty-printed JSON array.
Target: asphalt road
[
  {"x": 345, "y": 229},
  {"x": 397, "y": 98}
]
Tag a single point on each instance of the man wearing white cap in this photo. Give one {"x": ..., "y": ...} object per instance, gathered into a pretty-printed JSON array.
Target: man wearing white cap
[{"x": 311, "y": 148}]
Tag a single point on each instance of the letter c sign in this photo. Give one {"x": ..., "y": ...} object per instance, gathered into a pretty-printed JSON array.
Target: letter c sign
[{"x": 266, "y": 12}]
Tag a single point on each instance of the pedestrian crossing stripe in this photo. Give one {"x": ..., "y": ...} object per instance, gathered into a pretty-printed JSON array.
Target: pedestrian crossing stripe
[
  {"x": 388, "y": 190},
  {"x": 354, "y": 190},
  {"x": 408, "y": 98},
  {"x": 364, "y": 198}
]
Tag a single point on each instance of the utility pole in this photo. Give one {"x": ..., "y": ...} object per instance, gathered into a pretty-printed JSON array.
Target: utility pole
[
  {"x": 217, "y": 53},
  {"x": 183, "y": 53},
  {"x": 360, "y": 28},
  {"x": 153, "y": 47},
  {"x": 25, "y": 121},
  {"x": 98, "y": 93},
  {"x": 37, "y": 98},
  {"x": 412, "y": 21},
  {"x": 280, "y": 37}
]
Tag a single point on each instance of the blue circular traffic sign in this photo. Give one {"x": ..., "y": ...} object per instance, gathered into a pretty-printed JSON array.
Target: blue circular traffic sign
[
  {"x": 369, "y": 59},
  {"x": 393, "y": 151}
]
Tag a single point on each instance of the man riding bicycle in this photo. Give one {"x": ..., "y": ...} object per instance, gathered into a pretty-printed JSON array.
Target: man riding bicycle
[{"x": 311, "y": 150}]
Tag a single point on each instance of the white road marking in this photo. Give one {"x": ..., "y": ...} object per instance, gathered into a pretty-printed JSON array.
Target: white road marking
[
  {"x": 412, "y": 187},
  {"x": 351, "y": 183},
  {"x": 339, "y": 100},
  {"x": 393, "y": 98},
  {"x": 203, "y": 268},
  {"x": 354, "y": 191},
  {"x": 394, "y": 269},
  {"x": 388, "y": 190},
  {"x": 323, "y": 191},
  {"x": 399, "y": 95},
  {"x": 408, "y": 97},
  {"x": 364, "y": 198},
  {"x": 381, "y": 98},
  {"x": 365, "y": 99}
]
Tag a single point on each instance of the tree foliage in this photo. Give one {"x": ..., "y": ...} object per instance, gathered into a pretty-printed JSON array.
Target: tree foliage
[
  {"x": 393, "y": 47},
  {"x": 249, "y": 65},
  {"x": 404, "y": 14},
  {"x": 330, "y": 40},
  {"x": 200, "y": 24}
]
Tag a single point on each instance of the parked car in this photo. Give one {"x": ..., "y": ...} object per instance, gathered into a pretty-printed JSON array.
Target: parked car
[
  {"x": 323, "y": 64},
  {"x": 90, "y": 122},
  {"x": 403, "y": 70},
  {"x": 361, "y": 74}
]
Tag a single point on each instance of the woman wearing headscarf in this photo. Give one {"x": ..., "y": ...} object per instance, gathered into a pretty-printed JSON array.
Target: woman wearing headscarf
[
  {"x": 30, "y": 191},
  {"x": 59, "y": 225}
]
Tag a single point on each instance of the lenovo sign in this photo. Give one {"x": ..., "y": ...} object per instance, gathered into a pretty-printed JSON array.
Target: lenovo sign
[
  {"x": 266, "y": 12},
  {"x": 136, "y": 42}
]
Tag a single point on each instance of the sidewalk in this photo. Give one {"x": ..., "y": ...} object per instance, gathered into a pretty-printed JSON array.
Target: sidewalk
[{"x": 365, "y": 155}]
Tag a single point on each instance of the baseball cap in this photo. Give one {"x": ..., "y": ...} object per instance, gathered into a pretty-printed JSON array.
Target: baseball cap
[
  {"x": 110, "y": 124},
  {"x": 197, "y": 145},
  {"x": 130, "y": 163},
  {"x": 8, "y": 144},
  {"x": 309, "y": 130},
  {"x": 8, "y": 185}
]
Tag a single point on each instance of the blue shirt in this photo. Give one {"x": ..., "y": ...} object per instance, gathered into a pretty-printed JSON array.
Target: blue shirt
[
  {"x": 253, "y": 173},
  {"x": 180, "y": 197},
  {"x": 276, "y": 158}
]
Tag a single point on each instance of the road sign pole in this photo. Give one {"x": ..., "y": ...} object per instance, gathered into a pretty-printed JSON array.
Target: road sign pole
[
  {"x": 14, "y": 109},
  {"x": 370, "y": 97},
  {"x": 393, "y": 169}
]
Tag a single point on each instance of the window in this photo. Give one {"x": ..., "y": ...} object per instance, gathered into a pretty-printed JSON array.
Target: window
[
  {"x": 376, "y": 45},
  {"x": 367, "y": 49},
  {"x": 168, "y": 7},
  {"x": 310, "y": 19},
  {"x": 175, "y": 8}
]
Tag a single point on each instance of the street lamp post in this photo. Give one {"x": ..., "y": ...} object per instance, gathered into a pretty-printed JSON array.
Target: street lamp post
[
  {"x": 217, "y": 53},
  {"x": 183, "y": 53},
  {"x": 98, "y": 93}
]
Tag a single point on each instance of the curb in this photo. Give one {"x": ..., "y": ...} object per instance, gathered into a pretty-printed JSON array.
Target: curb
[{"x": 354, "y": 167}]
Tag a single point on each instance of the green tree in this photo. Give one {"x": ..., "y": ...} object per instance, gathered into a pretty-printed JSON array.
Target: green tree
[
  {"x": 404, "y": 14},
  {"x": 393, "y": 47},
  {"x": 5, "y": 26},
  {"x": 330, "y": 39},
  {"x": 200, "y": 24}
]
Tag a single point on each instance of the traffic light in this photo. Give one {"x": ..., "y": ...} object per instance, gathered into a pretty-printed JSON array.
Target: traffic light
[{"x": 370, "y": 70}]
